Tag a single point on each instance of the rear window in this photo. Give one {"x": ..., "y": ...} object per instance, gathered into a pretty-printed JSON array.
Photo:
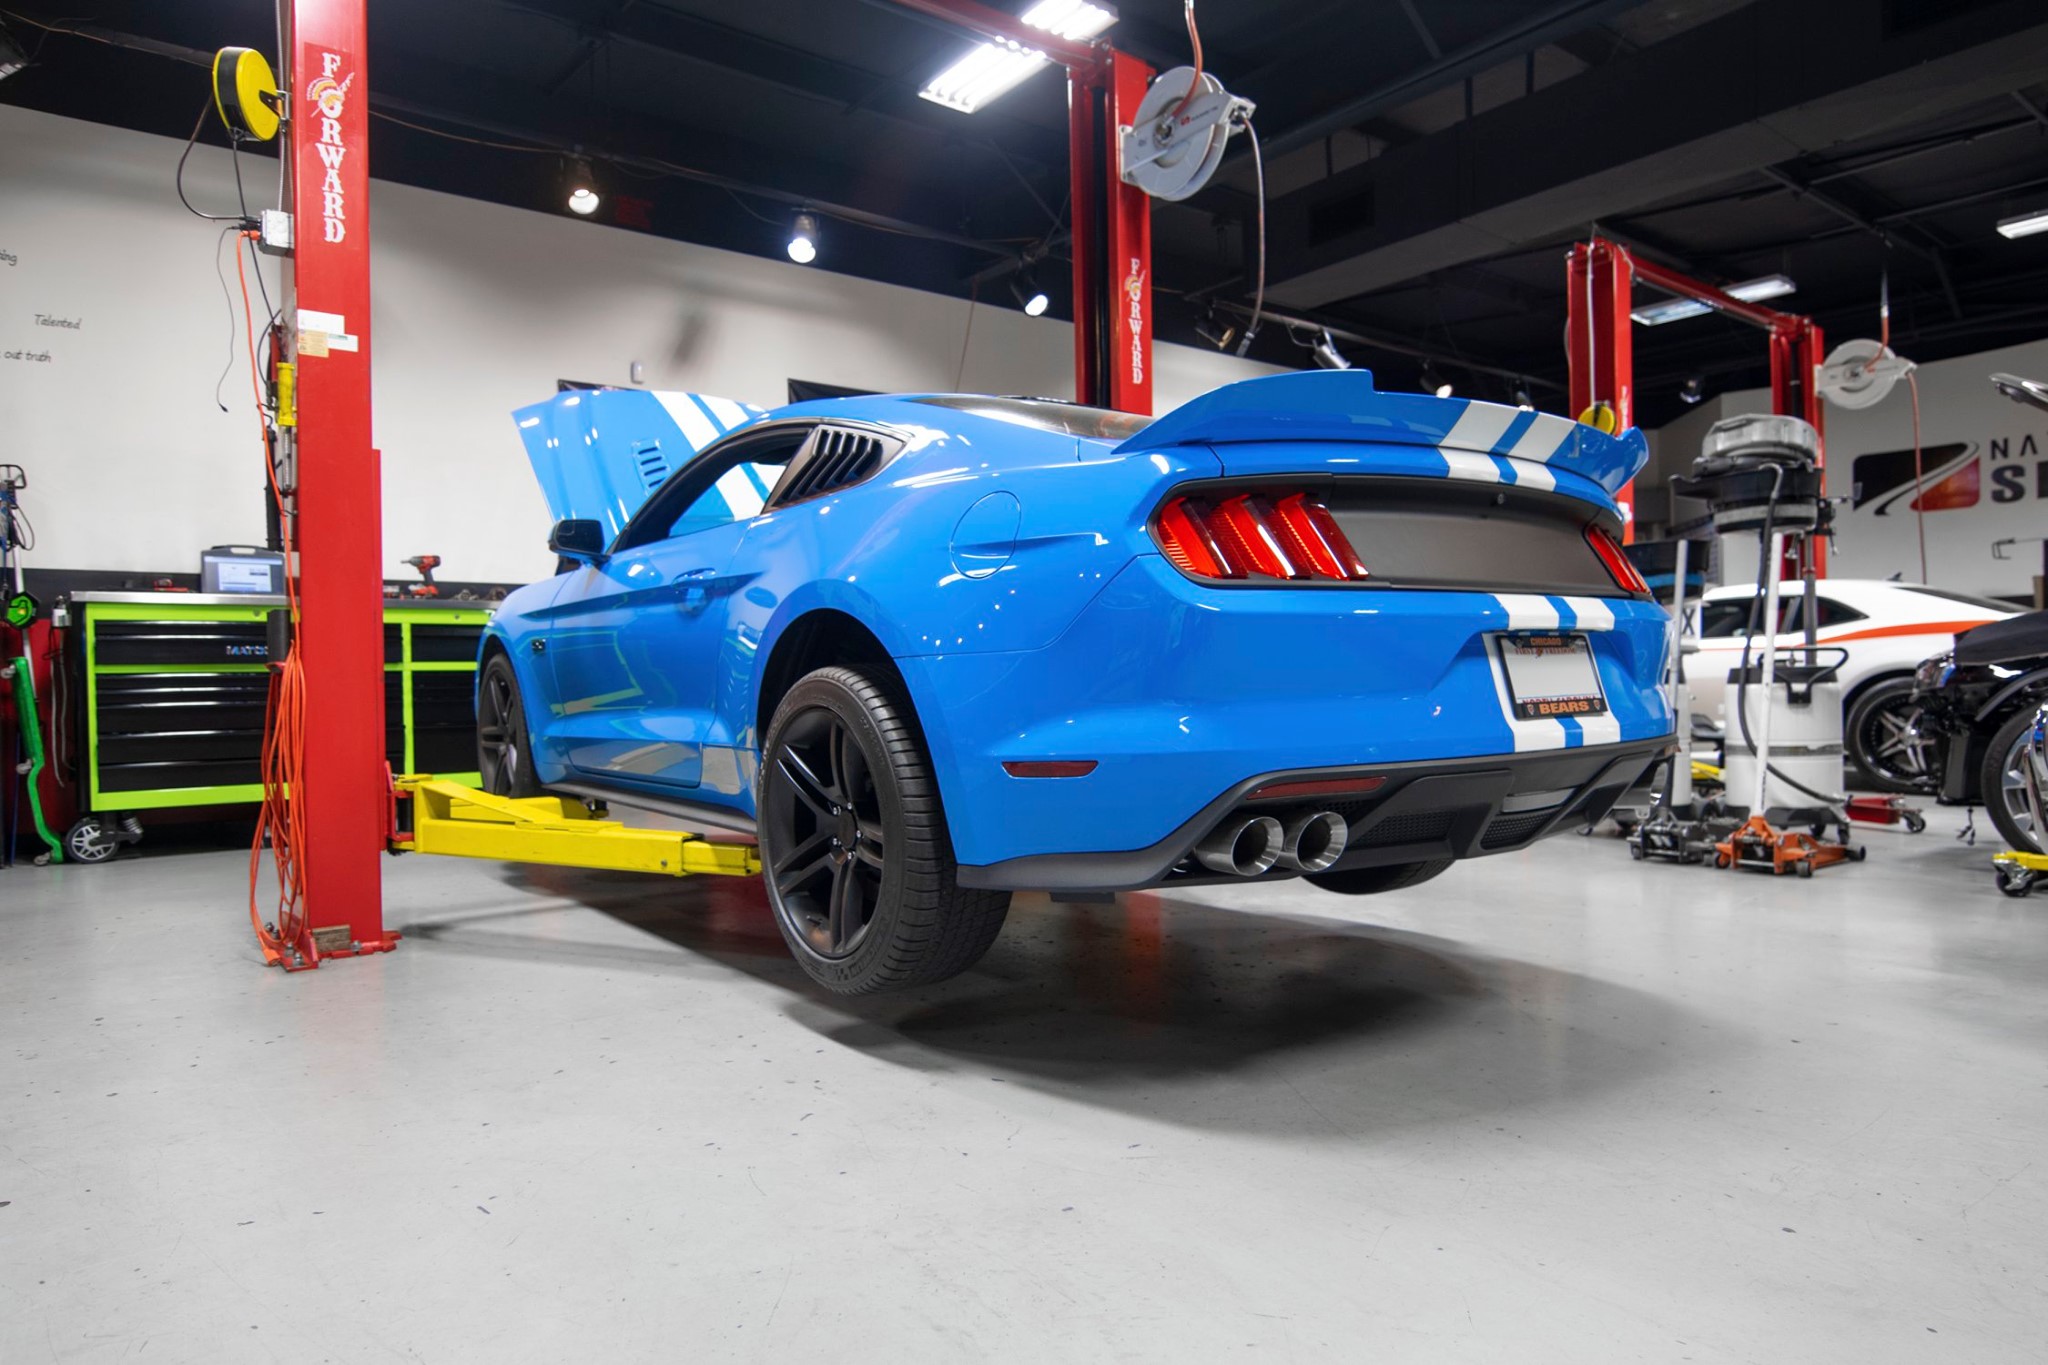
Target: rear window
[
  {"x": 1046, "y": 414},
  {"x": 1963, "y": 598}
]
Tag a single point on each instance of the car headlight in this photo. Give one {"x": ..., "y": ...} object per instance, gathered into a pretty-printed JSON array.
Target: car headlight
[{"x": 1934, "y": 672}]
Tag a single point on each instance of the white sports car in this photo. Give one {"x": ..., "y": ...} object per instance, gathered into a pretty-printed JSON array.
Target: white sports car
[{"x": 1886, "y": 627}]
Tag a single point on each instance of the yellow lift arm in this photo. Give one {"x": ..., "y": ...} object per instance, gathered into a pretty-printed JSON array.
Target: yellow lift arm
[{"x": 449, "y": 818}]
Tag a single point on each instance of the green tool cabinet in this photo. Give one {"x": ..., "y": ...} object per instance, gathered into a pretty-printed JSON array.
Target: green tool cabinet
[{"x": 175, "y": 687}]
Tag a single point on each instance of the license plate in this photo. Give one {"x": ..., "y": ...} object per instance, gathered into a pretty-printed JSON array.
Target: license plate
[{"x": 1551, "y": 675}]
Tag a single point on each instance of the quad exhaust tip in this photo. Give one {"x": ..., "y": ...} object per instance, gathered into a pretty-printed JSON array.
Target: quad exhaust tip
[
  {"x": 1242, "y": 848},
  {"x": 1311, "y": 841},
  {"x": 1314, "y": 841}
]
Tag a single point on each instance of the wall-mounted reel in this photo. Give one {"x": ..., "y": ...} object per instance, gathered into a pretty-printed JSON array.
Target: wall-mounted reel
[{"x": 1176, "y": 143}]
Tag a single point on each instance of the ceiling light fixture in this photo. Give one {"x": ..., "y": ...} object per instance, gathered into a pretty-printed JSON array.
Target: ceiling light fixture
[
  {"x": 1522, "y": 396},
  {"x": 1326, "y": 353},
  {"x": 583, "y": 197},
  {"x": 12, "y": 58},
  {"x": 2026, "y": 225},
  {"x": 803, "y": 239},
  {"x": 1032, "y": 299},
  {"x": 1692, "y": 390},
  {"x": 999, "y": 65},
  {"x": 1749, "y": 291},
  {"x": 1214, "y": 330},
  {"x": 1432, "y": 382}
]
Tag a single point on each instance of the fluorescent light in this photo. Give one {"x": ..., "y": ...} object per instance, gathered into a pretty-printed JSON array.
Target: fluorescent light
[
  {"x": 1749, "y": 291},
  {"x": 999, "y": 65},
  {"x": 1074, "y": 20},
  {"x": 2026, "y": 225}
]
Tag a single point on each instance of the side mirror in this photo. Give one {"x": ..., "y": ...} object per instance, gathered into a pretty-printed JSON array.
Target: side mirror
[{"x": 578, "y": 539}]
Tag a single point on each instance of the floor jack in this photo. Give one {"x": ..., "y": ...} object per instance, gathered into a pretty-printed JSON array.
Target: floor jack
[{"x": 2017, "y": 871}]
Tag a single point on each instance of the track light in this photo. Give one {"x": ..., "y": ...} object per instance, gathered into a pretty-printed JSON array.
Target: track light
[
  {"x": 1324, "y": 348},
  {"x": 803, "y": 239},
  {"x": 1693, "y": 389},
  {"x": 1432, "y": 382},
  {"x": 1032, "y": 299},
  {"x": 1522, "y": 397},
  {"x": 1213, "y": 329},
  {"x": 583, "y": 197}
]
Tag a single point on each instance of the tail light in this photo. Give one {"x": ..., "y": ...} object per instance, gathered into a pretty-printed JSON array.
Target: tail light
[
  {"x": 1273, "y": 535},
  {"x": 1616, "y": 559}
]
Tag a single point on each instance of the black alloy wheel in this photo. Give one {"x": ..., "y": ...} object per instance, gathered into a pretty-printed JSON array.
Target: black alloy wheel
[
  {"x": 828, "y": 868},
  {"x": 504, "y": 756},
  {"x": 855, "y": 852},
  {"x": 1891, "y": 739}
]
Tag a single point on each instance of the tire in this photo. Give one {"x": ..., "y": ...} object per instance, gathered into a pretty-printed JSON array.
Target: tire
[
  {"x": 504, "y": 749},
  {"x": 90, "y": 841},
  {"x": 1370, "y": 881},
  {"x": 2001, "y": 787},
  {"x": 1886, "y": 738},
  {"x": 843, "y": 762}
]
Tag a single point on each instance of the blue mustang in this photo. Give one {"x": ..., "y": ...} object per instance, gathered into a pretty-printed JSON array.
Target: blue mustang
[{"x": 935, "y": 648}]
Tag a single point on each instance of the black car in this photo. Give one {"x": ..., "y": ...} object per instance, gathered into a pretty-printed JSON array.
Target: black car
[{"x": 1977, "y": 706}]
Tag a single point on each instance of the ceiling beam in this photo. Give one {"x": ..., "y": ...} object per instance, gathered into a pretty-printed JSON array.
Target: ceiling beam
[{"x": 1753, "y": 89}]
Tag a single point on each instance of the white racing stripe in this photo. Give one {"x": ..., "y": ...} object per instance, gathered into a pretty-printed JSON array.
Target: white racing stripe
[
  {"x": 1475, "y": 468},
  {"x": 1546, "y": 437},
  {"x": 728, "y": 413},
  {"x": 1547, "y": 733},
  {"x": 1480, "y": 427},
  {"x": 696, "y": 427},
  {"x": 1527, "y": 611},
  {"x": 1530, "y": 474},
  {"x": 1591, "y": 612}
]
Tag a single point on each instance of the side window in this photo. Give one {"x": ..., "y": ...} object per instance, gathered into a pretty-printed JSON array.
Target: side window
[
  {"x": 1828, "y": 612},
  {"x": 736, "y": 495},
  {"x": 1729, "y": 618},
  {"x": 728, "y": 482}
]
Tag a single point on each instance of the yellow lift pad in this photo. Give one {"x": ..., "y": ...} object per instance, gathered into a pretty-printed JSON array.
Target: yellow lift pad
[{"x": 451, "y": 819}]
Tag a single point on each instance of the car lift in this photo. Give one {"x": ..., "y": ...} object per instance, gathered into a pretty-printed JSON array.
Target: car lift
[
  {"x": 1600, "y": 279},
  {"x": 350, "y": 806},
  {"x": 429, "y": 815}
]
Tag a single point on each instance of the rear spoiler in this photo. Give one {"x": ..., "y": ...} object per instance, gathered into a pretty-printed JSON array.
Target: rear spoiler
[
  {"x": 1343, "y": 405},
  {"x": 600, "y": 453}
]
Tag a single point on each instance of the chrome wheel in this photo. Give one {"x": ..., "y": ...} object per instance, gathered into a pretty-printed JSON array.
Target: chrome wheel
[
  {"x": 831, "y": 848},
  {"x": 1890, "y": 741},
  {"x": 2012, "y": 794}
]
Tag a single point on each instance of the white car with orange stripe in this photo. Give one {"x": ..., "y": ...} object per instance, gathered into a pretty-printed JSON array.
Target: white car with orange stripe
[{"x": 1885, "y": 627}]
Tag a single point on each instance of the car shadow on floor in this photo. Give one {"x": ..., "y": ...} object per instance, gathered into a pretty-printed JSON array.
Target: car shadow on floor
[{"x": 1167, "y": 1006}]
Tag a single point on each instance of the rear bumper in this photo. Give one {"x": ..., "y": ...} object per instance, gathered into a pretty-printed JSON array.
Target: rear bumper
[
  {"x": 1458, "y": 808},
  {"x": 1178, "y": 693}
]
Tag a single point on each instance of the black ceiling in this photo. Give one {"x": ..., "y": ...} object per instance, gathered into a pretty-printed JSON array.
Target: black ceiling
[{"x": 1428, "y": 161}]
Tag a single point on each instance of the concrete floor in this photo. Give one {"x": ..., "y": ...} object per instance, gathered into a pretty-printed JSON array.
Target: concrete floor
[{"x": 1555, "y": 1106}]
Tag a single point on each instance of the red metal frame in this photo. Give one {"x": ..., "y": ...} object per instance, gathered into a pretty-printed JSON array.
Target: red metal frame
[
  {"x": 339, "y": 502},
  {"x": 1599, "y": 339},
  {"x": 1112, "y": 236}
]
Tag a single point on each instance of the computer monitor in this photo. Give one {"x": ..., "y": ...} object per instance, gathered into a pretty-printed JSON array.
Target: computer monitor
[{"x": 241, "y": 569}]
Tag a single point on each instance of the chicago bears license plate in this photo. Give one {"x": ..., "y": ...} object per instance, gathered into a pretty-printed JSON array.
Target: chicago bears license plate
[{"x": 1551, "y": 675}]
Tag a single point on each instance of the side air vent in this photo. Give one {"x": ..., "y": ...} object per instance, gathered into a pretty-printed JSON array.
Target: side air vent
[
  {"x": 652, "y": 464},
  {"x": 838, "y": 459}
]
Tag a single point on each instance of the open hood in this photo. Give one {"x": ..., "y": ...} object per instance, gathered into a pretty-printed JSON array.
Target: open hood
[
  {"x": 599, "y": 453},
  {"x": 1343, "y": 405}
]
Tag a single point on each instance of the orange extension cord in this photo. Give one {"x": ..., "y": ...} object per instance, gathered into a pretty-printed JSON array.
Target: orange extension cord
[{"x": 287, "y": 941}]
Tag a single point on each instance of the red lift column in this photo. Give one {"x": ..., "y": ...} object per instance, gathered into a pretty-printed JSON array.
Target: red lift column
[
  {"x": 1600, "y": 335},
  {"x": 1112, "y": 240},
  {"x": 340, "y": 498}
]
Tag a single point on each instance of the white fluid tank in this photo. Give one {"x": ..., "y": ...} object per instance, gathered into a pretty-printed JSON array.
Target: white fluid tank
[{"x": 1806, "y": 741}]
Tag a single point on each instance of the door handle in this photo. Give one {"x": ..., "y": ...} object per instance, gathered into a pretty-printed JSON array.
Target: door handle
[{"x": 693, "y": 598}]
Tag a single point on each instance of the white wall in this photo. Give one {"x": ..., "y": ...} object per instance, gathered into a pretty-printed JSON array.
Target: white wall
[
  {"x": 2005, "y": 444},
  {"x": 477, "y": 308}
]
